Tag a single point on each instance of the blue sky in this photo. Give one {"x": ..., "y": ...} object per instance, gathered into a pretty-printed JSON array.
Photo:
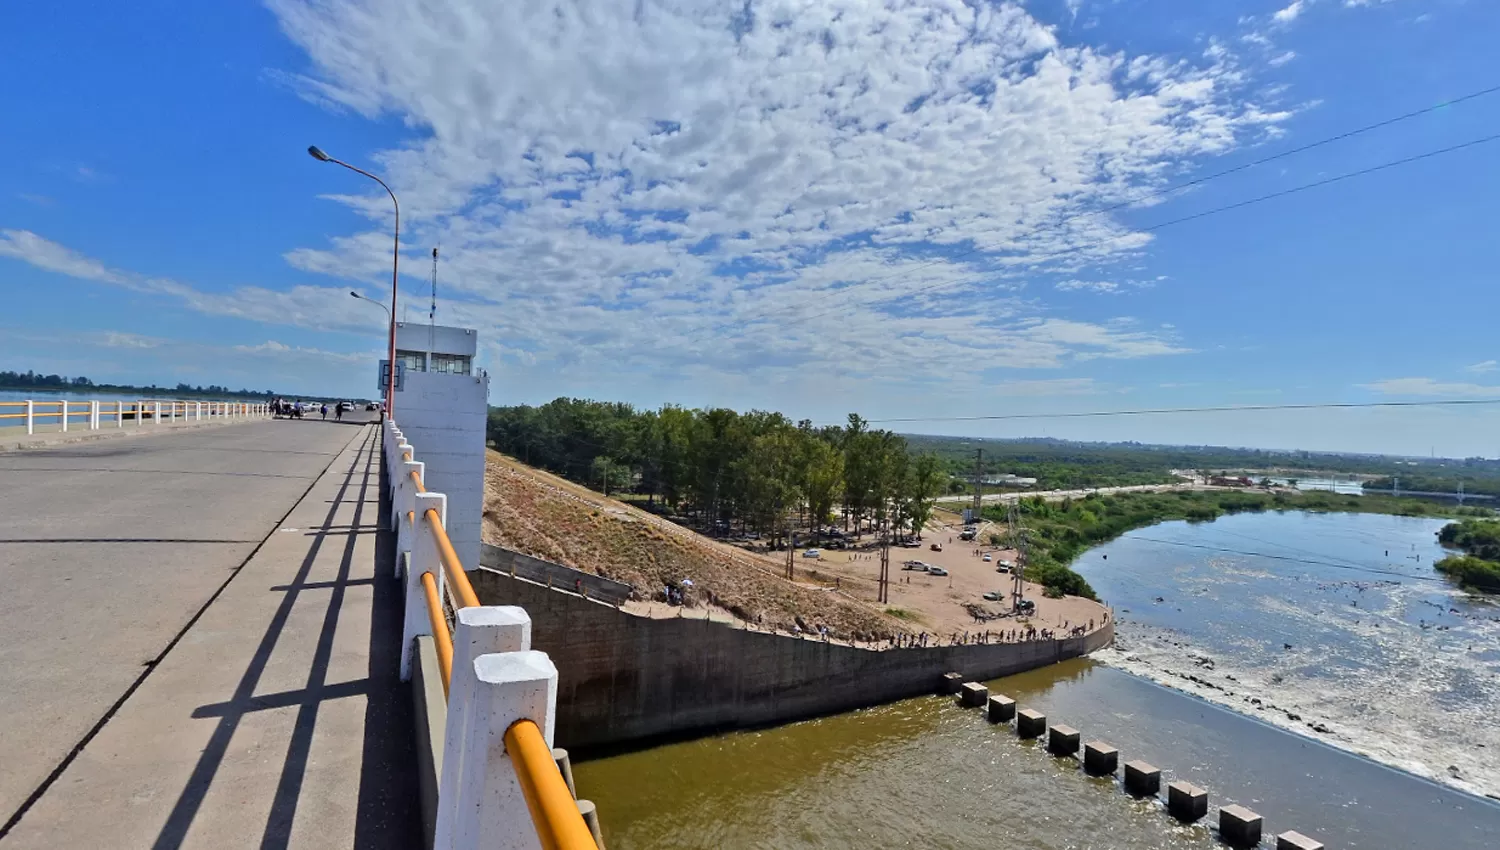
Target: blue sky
[{"x": 815, "y": 207}]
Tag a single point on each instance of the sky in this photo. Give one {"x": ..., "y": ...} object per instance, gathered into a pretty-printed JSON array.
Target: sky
[{"x": 910, "y": 208}]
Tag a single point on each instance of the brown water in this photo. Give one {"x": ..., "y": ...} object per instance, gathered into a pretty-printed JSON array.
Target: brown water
[{"x": 926, "y": 773}]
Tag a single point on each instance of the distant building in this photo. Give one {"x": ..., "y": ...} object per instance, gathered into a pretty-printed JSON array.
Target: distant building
[
  {"x": 441, "y": 406},
  {"x": 1008, "y": 480}
]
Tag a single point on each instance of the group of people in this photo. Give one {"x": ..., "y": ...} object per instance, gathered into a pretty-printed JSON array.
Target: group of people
[{"x": 293, "y": 410}]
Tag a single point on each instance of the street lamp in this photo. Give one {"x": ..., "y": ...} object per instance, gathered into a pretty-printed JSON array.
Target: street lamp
[
  {"x": 390, "y": 381},
  {"x": 372, "y": 301}
]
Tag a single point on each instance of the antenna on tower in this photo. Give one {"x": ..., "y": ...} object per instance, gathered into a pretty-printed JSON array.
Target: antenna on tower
[{"x": 432, "y": 310}]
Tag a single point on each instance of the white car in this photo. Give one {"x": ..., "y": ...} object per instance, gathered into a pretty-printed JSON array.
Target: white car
[
  {"x": 812, "y": 553},
  {"x": 936, "y": 571},
  {"x": 987, "y": 556}
]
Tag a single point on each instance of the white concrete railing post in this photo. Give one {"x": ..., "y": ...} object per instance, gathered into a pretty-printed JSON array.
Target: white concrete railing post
[
  {"x": 405, "y": 502},
  {"x": 63, "y": 407},
  {"x": 490, "y": 809},
  {"x": 119, "y": 414},
  {"x": 93, "y": 416},
  {"x": 30, "y": 417},
  {"x": 424, "y": 559},
  {"x": 157, "y": 415},
  {"x": 478, "y": 631},
  {"x": 197, "y": 411}
]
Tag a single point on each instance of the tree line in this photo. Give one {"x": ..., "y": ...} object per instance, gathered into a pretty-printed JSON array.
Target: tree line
[
  {"x": 30, "y": 380},
  {"x": 719, "y": 467}
]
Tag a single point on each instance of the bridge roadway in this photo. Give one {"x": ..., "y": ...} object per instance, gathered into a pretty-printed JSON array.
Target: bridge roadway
[{"x": 194, "y": 651}]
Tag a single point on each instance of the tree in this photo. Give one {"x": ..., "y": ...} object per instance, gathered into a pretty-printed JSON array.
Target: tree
[{"x": 822, "y": 479}]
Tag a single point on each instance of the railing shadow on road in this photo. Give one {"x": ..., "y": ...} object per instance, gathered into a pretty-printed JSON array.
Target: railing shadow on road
[{"x": 386, "y": 810}]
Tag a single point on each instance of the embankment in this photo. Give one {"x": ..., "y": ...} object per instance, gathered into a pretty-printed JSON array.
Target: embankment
[{"x": 626, "y": 679}]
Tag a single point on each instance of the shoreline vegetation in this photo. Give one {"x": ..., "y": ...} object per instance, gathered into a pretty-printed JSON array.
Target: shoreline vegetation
[
  {"x": 1478, "y": 568},
  {"x": 1057, "y": 533},
  {"x": 29, "y": 381}
]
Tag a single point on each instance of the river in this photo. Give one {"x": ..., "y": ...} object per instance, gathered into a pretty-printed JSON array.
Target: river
[{"x": 926, "y": 773}]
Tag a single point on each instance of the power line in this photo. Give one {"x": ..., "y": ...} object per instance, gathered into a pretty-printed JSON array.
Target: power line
[
  {"x": 1374, "y": 570},
  {"x": 1157, "y": 193},
  {"x": 1187, "y": 218},
  {"x": 1154, "y": 411}
]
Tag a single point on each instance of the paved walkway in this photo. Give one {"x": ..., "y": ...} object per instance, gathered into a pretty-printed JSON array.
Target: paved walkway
[{"x": 216, "y": 665}]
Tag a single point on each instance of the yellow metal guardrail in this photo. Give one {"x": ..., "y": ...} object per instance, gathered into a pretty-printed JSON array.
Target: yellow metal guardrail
[
  {"x": 554, "y": 812},
  {"x": 553, "y": 809}
]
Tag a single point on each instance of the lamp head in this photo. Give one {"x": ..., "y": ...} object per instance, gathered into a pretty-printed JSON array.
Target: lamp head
[{"x": 317, "y": 153}]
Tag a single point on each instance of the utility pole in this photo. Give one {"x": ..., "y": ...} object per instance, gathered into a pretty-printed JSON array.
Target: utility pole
[
  {"x": 1018, "y": 540},
  {"x": 885, "y": 564},
  {"x": 978, "y": 486}
]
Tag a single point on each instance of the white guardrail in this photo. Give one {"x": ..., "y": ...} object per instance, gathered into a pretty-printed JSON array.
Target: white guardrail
[
  {"x": 498, "y": 785},
  {"x": 62, "y": 415}
]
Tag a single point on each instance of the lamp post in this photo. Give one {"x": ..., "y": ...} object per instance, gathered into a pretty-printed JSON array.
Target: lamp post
[
  {"x": 390, "y": 380},
  {"x": 370, "y": 300}
]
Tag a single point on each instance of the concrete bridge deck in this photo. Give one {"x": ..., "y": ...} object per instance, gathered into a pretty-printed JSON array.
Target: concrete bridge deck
[{"x": 193, "y": 649}]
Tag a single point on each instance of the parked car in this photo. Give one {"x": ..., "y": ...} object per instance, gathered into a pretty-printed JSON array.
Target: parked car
[
  {"x": 914, "y": 565},
  {"x": 994, "y": 596},
  {"x": 1026, "y": 606},
  {"x": 372, "y": 405},
  {"x": 987, "y": 557},
  {"x": 812, "y": 553},
  {"x": 936, "y": 571},
  {"x": 936, "y": 547},
  {"x": 1003, "y": 568}
]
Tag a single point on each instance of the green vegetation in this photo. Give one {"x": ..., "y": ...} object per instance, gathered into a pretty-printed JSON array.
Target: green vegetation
[
  {"x": 720, "y": 467},
  {"x": 1058, "y": 532},
  {"x": 29, "y": 380},
  {"x": 1065, "y": 465},
  {"x": 1479, "y": 566}
]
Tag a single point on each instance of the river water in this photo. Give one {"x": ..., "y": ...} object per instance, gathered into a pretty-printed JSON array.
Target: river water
[{"x": 1234, "y": 593}]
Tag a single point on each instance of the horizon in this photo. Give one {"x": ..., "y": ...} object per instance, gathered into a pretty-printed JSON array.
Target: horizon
[{"x": 921, "y": 209}]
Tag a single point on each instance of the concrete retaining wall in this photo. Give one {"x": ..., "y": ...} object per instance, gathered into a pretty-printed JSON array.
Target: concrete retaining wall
[
  {"x": 540, "y": 571},
  {"x": 430, "y": 716},
  {"x": 625, "y": 679}
]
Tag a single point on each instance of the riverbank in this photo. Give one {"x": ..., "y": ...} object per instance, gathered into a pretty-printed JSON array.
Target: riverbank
[{"x": 1058, "y": 532}]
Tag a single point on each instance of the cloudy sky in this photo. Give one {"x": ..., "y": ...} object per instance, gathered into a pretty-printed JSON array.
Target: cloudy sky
[{"x": 910, "y": 208}]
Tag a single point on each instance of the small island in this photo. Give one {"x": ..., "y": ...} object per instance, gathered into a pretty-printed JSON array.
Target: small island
[{"x": 1478, "y": 568}]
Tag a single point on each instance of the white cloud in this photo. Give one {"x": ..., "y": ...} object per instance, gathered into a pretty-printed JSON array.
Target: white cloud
[
  {"x": 851, "y": 188},
  {"x": 30, "y": 248},
  {"x": 1290, "y": 13},
  {"x": 1483, "y": 366},
  {"x": 273, "y": 348},
  {"x": 118, "y": 339},
  {"x": 1430, "y": 387},
  {"x": 1089, "y": 285},
  {"x": 694, "y": 191}
]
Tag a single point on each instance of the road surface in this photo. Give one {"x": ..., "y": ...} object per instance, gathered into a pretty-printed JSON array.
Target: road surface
[{"x": 120, "y": 557}]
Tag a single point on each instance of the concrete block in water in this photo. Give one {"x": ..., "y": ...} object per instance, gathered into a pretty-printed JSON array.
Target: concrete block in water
[
  {"x": 1142, "y": 778},
  {"x": 1294, "y": 840},
  {"x": 1239, "y": 827},
  {"x": 1030, "y": 723},
  {"x": 1062, "y": 740},
  {"x": 1100, "y": 759},
  {"x": 1002, "y": 709},
  {"x": 951, "y": 683},
  {"x": 972, "y": 694},
  {"x": 1186, "y": 801}
]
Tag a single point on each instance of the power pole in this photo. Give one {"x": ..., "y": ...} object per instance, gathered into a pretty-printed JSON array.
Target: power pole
[
  {"x": 1018, "y": 540},
  {"x": 978, "y": 486},
  {"x": 885, "y": 565}
]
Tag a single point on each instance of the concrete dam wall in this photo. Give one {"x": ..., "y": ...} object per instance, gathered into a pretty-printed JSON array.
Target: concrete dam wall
[{"x": 624, "y": 678}]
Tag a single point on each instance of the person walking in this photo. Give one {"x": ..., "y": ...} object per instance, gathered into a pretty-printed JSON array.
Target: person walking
[
  {"x": 324, "y": 410},
  {"x": 338, "y": 412}
]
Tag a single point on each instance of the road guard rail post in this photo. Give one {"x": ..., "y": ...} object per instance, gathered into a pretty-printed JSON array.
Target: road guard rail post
[{"x": 499, "y": 786}]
